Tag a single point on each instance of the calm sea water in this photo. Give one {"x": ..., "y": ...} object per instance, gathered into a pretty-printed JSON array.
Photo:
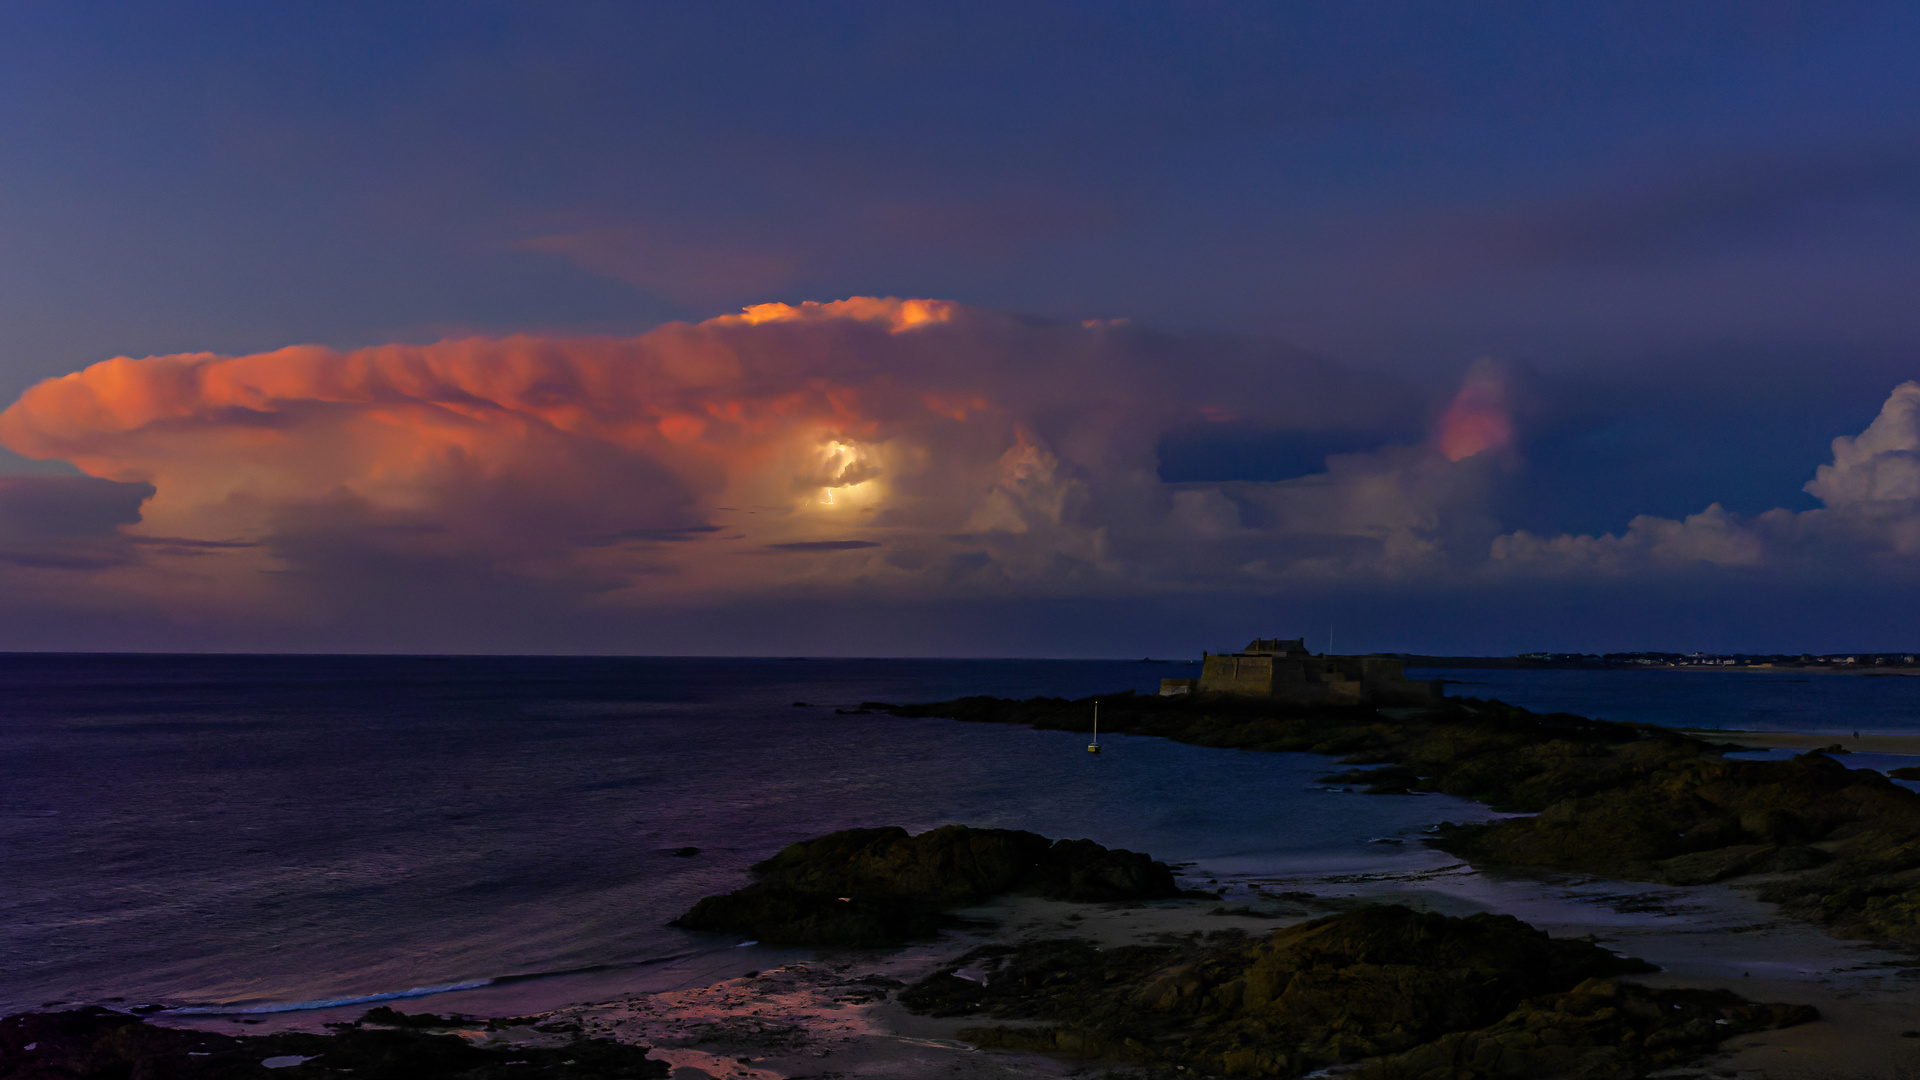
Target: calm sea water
[{"x": 264, "y": 833}]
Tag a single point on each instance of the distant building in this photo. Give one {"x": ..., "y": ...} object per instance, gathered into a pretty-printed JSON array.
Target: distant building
[{"x": 1283, "y": 669}]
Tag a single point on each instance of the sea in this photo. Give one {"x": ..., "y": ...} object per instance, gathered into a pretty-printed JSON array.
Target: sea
[{"x": 254, "y": 836}]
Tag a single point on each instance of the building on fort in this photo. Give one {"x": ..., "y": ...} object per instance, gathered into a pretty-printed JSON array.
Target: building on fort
[{"x": 1284, "y": 670}]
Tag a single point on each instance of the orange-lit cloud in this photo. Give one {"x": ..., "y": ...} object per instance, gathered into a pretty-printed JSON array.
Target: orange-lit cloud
[
  {"x": 1479, "y": 419},
  {"x": 563, "y": 457},
  {"x": 882, "y": 445}
]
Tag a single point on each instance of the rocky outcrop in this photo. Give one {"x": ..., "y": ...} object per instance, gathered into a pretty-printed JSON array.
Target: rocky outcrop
[
  {"x": 1600, "y": 1030},
  {"x": 1837, "y": 845},
  {"x": 874, "y": 887},
  {"x": 1381, "y": 983},
  {"x": 98, "y": 1042}
]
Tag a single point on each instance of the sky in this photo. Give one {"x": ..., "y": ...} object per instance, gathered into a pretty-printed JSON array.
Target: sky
[{"x": 1037, "y": 329}]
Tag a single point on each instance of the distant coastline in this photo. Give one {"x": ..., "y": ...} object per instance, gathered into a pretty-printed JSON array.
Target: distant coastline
[{"x": 1892, "y": 663}]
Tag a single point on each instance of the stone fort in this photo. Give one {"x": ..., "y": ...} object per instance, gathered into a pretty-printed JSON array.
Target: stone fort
[{"x": 1285, "y": 671}]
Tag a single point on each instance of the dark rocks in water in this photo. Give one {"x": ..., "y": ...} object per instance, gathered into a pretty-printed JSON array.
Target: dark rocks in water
[
  {"x": 98, "y": 1042},
  {"x": 1619, "y": 800},
  {"x": 1385, "y": 780},
  {"x": 872, "y": 887},
  {"x": 801, "y": 705},
  {"x": 1371, "y": 983},
  {"x": 1083, "y": 870},
  {"x": 1911, "y": 772},
  {"x": 387, "y": 1016},
  {"x": 1246, "y": 912},
  {"x": 776, "y": 916},
  {"x": 685, "y": 852}
]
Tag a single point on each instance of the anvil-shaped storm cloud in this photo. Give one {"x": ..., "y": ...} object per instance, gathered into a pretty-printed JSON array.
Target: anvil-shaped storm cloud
[{"x": 913, "y": 449}]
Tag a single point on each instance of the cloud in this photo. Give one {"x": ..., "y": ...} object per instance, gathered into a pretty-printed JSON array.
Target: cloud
[
  {"x": 1479, "y": 420},
  {"x": 53, "y": 528},
  {"x": 1873, "y": 484},
  {"x": 824, "y": 545},
  {"x": 872, "y": 451},
  {"x": 1730, "y": 202},
  {"x": 884, "y": 446},
  {"x": 1870, "y": 520}
]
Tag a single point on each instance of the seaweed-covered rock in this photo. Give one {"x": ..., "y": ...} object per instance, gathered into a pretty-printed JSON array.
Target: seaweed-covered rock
[
  {"x": 870, "y": 887},
  {"x": 1599, "y": 1030},
  {"x": 1378, "y": 981},
  {"x": 1718, "y": 864},
  {"x": 388, "y": 1016},
  {"x": 97, "y": 1042},
  {"x": 1084, "y": 871}
]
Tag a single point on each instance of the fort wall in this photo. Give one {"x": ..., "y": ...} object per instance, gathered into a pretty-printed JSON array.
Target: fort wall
[{"x": 1283, "y": 670}]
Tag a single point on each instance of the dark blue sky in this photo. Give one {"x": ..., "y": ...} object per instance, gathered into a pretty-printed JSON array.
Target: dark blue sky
[{"x": 1688, "y": 230}]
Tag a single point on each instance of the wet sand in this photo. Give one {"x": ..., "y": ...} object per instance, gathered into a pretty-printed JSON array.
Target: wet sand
[{"x": 834, "y": 1016}]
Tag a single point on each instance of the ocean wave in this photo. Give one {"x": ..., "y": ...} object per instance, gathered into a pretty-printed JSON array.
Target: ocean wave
[
  {"x": 324, "y": 1003},
  {"x": 420, "y": 991}
]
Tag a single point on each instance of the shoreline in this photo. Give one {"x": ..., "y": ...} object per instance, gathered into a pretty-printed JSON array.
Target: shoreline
[
  {"x": 795, "y": 1019},
  {"x": 821, "y": 1015}
]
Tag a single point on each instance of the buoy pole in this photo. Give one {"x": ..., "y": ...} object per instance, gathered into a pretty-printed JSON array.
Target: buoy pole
[{"x": 1094, "y": 746}]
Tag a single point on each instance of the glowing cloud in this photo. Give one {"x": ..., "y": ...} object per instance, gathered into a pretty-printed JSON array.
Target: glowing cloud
[
  {"x": 894, "y": 446},
  {"x": 546, "y": 456},
  {"x": 1479, "y": 419}
]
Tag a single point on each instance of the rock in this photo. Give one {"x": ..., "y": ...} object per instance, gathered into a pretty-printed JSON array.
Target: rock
[
  {"x": 1600, "y": 1028},
  {"x": 98, "y": 1042},
  {"x": 1788, "y": 860},
  {"x": 1706, "y": 867},
  {"x": 776, "y": 916},
  {"x": 1776, "y": 825},
  {"x": 872, "y": 887},
  {"x": 1419, "y": 992},
  {"x": 1084, "y": 871},
  {"x": 390, "y": 1017}
]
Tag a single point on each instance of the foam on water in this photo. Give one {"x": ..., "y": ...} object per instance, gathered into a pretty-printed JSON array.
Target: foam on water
[{"x": 242, "y": 1009}]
